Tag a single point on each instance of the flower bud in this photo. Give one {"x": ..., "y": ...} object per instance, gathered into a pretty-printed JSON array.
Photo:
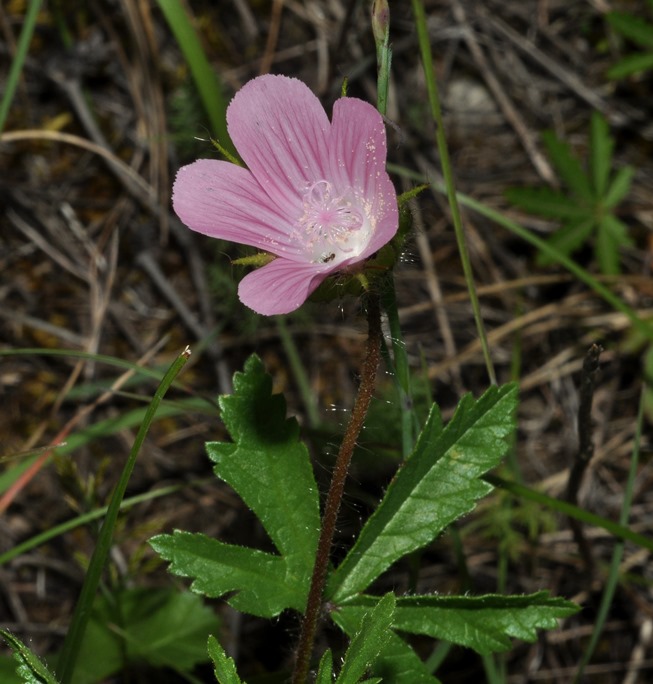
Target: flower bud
[{"x": 380, "y": 20}]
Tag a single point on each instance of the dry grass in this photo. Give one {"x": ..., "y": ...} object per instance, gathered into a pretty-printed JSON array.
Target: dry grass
[{"x": 92, "y": 259}]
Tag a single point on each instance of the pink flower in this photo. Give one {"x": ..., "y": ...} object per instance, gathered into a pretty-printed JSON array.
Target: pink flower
[{"x": 316, "y": 193}]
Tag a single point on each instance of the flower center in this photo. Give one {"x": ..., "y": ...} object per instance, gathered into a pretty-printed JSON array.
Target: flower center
[{"x": 332, "y": 227}]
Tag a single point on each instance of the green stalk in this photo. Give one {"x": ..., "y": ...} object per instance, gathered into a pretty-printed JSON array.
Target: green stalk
[
  {"x": 82, "y": 612},
  {"x": 400, "y": 369},
  {"x": 436, "y": 113},
  {"x": 204, "y": 76},
  {"x": 25, "y": 39},
  {"x": 298, "y": 370},
  {"x": 381, "y": 30}
]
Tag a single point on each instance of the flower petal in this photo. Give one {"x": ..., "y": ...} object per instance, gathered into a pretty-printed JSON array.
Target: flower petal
[
  {"x": 225, "y": 201},
  {"x": 280, "y": 130},
  {"x": 357, "y": 158},
  {"x": 357, "y": 146},
  {"x": 280, "y": 287}
]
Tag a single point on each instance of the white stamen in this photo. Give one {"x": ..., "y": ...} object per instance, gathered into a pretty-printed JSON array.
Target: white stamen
[{"x": 332, "y": 227}]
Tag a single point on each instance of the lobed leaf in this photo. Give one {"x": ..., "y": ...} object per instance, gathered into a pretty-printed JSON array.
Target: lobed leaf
[
  {"x": 612, "y": 235},
  {"x": 438, "y": 483},
  {"x": 162, "y": 627},
  {"x": 325, "y": 670},
  {"x": 631, "y": 64},
  {"x": 601, "y": 146},
  {"x": 568, "y": 166},
  {"x": 270, "y": 468},
  {"x": 368, "y": 642},
  {"x": 619, "y": 187},
  {"x": 633, "y": 28},
  {"x": 568, "y": 239},
  {"x": 485, "y": 624},
  {"x": 31, "y": 668},
  {"x": 398, "y": 663},
  {"x": 224, "y": 667},
  {"x": 546, "y": 202},
  {"x": 259, "y": 579}
]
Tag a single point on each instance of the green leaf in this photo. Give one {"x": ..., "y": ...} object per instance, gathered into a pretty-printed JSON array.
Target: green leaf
[
  {"x": 633, "y": 28},
  {"x": 368, "y": 642},
  {"x": 485, "y": 624},
  {"x": 619, "y": 187},
  {"x": 270, "y": 468},
  {"x": 325, "y": 671},
  {"x": 568, "y": 239},
  {"x": 30, "y": 670},
  {"x": 166, "y": 627},
  {"x": 84, "y": 606},
  {"x": 546, "y": 202},
  {"x": 8, "y": 670},
  {"x": 631, "y": 64},
  {"x": 613, "y": 234},
  {"x": 259, "y": 578},
  {"x": 601, "y": 146},
  {"x": 223, "y": 666},
  {"x": 398, "y": 663},
  {"x": 568, "y": 166},
  {"x": 160, "y": 627},
  {"x": 617, "y": 230},
  {"x": 438, "y": 483}
]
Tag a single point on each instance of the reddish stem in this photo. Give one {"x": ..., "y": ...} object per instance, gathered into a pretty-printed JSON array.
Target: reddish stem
[{"x": 334, "y": 497}]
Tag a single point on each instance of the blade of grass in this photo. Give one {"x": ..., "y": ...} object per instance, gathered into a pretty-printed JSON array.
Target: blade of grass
[
  {"x": 56, "y": 531},
  {"x": 642, "y": 326},
  {"x": 73, "y": 353},
  {"x": 206, "y": 81},
  {"x": 24, "y": 41},
  {"x": 400, "y": 368},
  {"x": 82, "y": 612},
  {"x": 522, "y": 492},
  {"x": 301, "y": 377},
  {"x": 398, "y": 365},
  {"x": 102, "y": 428},
  {"x": 618, "y": 552},
  {"x": 436, "y": 113}
]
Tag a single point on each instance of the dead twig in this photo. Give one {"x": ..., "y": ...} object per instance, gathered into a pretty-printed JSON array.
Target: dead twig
[{"x": 585, "y": 447}]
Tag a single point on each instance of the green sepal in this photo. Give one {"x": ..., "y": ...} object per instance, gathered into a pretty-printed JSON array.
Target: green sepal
[
  {"x": 257, "y": 260},
  {"x": 409, "y": 194},
  {"x": 225, "y": 153}
]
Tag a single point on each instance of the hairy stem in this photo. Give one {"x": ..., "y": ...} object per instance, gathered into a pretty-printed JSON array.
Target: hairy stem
[{"x": 334, "y": 497}]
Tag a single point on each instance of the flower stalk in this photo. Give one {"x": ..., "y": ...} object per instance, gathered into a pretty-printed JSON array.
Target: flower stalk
[{"x": 334, "y": 497}]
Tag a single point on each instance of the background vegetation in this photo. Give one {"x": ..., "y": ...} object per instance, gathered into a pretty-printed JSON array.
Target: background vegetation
[{"x": 548, "y": 120}]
